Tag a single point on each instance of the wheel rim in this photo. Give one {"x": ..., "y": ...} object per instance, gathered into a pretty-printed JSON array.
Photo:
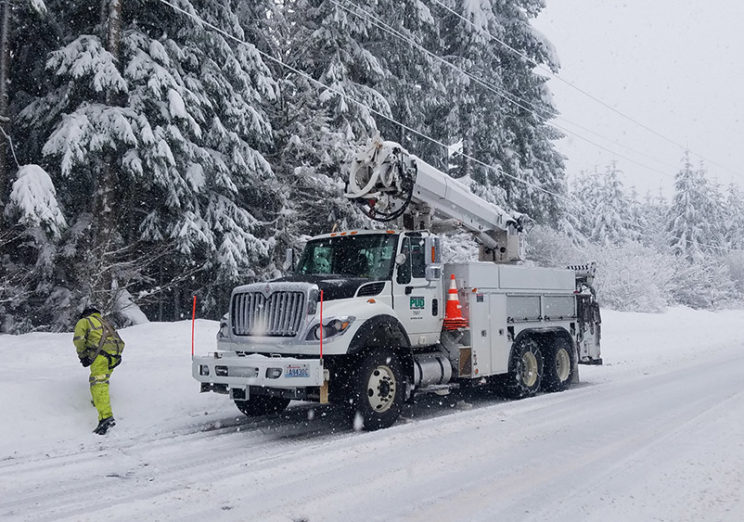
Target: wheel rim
[
  {"x": 529, "y": 369},
  {"x": 562, "y": 364},
  {"x": 381, "y": 388}
]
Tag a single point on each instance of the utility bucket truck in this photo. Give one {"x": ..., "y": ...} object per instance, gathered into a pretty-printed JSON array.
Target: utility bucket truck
[{"x": 384, "y": 297}]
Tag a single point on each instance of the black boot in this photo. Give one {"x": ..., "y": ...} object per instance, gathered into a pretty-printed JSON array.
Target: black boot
[{"x": 104, "y": 425}]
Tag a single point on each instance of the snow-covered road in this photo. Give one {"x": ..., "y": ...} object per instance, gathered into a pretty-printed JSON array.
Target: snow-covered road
[{"x": 655, "y": 434}]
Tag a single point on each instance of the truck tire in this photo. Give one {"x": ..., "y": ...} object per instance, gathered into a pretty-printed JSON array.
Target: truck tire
[
  {"x": 559, "y": 367},
  {"x": 262, "y": 405},
  {"x": 377, "y": 391},
  {"x": 525, "y": 370}
]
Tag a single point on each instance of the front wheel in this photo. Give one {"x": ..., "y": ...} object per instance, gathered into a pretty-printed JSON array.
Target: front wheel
[
  {"x": 262, "y": 405},
  {"x": 377, "y": 390},
  {"x": 525, "y": 370}
]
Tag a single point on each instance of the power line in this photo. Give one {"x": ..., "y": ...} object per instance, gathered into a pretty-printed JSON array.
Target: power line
[
  {"x": 513, "y": 99},
  {"x": 319, "y": 84},
  {"x": 580, "y": 90}
]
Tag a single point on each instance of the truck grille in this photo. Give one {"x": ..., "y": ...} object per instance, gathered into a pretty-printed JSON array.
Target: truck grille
[{"x": 279, "y": 315}]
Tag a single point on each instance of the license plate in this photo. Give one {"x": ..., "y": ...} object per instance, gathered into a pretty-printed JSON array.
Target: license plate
[{"x": 297, "y": 372}]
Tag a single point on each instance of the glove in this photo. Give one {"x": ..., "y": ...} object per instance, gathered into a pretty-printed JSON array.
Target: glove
[{"x": 86, "y": 361}]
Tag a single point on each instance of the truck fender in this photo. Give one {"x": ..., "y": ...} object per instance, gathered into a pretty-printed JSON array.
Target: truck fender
[{"x": 385, "y": 331}]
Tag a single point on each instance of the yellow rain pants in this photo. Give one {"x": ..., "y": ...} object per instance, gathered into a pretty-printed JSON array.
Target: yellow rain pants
[{"x": 99, "y": 386}]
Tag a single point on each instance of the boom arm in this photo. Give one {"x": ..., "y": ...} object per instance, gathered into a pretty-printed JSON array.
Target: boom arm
[{"x": 394, "y": 184}]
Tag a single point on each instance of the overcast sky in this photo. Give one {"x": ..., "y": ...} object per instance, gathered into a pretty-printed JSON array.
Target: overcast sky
[{"x": 676, "y": 66}]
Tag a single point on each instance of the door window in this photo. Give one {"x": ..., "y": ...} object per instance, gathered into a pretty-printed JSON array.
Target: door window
[
  {"x": 418, "y": 257},
  {"x": 404, "y": 270}
]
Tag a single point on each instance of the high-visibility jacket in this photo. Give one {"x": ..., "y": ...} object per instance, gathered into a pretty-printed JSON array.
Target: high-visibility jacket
[{"x": 88, "y": 333}]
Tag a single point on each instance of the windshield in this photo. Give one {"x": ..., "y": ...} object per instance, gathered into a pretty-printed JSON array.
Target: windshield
[{"x": 366, "y": 255}]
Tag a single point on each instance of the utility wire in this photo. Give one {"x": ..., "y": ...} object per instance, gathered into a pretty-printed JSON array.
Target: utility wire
[
  {"x": 377, "y": 22},
  {"x": 198, "y": 19},
  {"x": 579, "y": 89},
  {"x": 512, "y": 99}
]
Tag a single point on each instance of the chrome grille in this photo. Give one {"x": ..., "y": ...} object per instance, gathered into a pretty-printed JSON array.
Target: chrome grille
[{"x": 279, "y": 315}]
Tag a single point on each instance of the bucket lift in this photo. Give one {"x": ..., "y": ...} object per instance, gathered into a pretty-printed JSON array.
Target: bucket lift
[{"x": 392, "y": 184}]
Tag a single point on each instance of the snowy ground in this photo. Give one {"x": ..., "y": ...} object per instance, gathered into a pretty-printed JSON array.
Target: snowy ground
[{"x": 655, "y": 434}]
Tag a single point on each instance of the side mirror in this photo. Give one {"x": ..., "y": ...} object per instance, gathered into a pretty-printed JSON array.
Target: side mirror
[
  {"x": 400, "y": 259},
  {"x": 433, "y": 272}
]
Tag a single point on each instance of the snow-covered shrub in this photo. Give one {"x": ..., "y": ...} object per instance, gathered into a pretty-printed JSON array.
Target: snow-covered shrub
[
  {"x": 706, "y": 283},
  {"x": 632, "y": 277},
  {"x": 547, "y": 247},
  {"x": 735, "y": 263}
]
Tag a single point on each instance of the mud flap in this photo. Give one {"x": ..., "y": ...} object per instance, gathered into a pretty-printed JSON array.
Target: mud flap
[{"x": 324, "y": 387}]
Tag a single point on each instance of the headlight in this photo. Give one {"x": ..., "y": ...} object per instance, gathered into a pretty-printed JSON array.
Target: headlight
[{"x": 332, "y": 328}]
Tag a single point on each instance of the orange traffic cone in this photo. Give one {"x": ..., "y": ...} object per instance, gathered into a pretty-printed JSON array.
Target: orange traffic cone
[{"x": 453, "y": 318}]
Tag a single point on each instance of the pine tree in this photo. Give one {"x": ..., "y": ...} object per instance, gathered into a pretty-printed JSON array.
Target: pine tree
[
  {"x": 28, "y": 246},
  {"x": 715, "y": 219},
  {"x": 175, "y": 126},
  {"x": 319, "y": 128},
  {"x": 508, "y": 129},
  {"x": 655, "y": 210},
  {"x": 687, "y": 221},
  {"x": 610, "y": 214}
]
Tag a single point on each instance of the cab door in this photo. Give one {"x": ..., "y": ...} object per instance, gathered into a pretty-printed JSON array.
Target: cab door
[{"x": 417, "y": 301}]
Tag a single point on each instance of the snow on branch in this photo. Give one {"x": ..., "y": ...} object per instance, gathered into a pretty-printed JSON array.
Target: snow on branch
[
  {"x": 86, "y": 57},
  {"x": 33, "y": 197},
  {"x": 39, "y": 6}
]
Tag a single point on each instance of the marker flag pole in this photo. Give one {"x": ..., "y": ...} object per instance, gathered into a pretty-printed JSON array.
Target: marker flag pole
[
  {"x": 193, "y": 320},
  {"x": 321, "y": 325}
]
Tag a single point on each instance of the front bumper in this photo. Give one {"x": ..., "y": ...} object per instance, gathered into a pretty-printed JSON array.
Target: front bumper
[{"x": 233, "y": 371}]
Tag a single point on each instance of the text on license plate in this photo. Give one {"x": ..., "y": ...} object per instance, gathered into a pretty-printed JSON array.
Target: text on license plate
[{"x": 297, "y": 371}]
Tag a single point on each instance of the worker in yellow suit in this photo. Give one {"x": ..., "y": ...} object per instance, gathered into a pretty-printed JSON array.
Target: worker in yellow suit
[{"x": 98, "y": 346}]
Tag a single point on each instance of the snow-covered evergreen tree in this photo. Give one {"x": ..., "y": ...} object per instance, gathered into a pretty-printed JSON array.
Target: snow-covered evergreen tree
[
  {"x": 318, "y": 122},
  {"x": 716, "y": 219},
  {"x": 610, "y": 220},
  {"x": 28, "y": 246},
  {"x": 654, "y": 212},
  {"x": 606, "y": 214},
  {"x": 177, "y": 116},
  {"x": 687, "y": 221},
  {"x": 506, "y": 123}
]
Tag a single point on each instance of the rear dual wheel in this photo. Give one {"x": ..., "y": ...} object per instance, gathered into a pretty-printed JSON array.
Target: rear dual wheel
[{"x": 559, "y": 367}]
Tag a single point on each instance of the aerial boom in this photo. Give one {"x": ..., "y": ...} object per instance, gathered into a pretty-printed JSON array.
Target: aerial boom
[{"x": 395, "y": 184}]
